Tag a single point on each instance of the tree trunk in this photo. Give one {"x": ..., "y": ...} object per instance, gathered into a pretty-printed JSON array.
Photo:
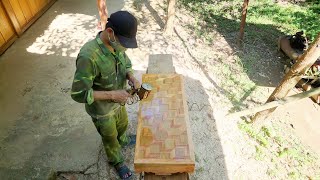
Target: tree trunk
[
  {"x": 168, "y": 29},
  {"x": 243, "y": 20},
  {"x": 292, "y": 77}
]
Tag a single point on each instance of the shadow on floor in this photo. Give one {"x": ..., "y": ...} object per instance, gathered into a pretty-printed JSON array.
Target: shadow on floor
[
  {"x": 42, "y": 128},
  {"x": 210, "y": 161},
  {"x": 259, "y": 55}
]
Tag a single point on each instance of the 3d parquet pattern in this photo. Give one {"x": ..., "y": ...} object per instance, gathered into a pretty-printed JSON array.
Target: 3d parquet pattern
[{"x": 163, "y": 136}]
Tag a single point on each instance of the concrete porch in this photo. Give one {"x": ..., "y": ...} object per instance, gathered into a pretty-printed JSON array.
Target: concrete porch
[{"x": 42, "y": 130}]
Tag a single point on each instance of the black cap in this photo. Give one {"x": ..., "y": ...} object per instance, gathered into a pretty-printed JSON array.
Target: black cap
[{"x": 124, "y": 26}]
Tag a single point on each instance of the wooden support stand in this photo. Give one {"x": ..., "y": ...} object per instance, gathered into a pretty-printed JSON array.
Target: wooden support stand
[
  {"x": 310, "y": 93},
  {"x": 180, "y": 176},
  {"x": 292, "y": 77},
  {"x": 307, "y": 87},
  {"x": 162, "y": 64}
]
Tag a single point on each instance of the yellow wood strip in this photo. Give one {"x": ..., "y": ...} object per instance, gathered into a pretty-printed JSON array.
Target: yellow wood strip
[
  {"x": 6, "y": 28},
  {"x": 18, "y": 12},
  {"x": 33, "y": 6},
  {"x": 2, "y": 40},
  {"x": 26, "y": 9}
]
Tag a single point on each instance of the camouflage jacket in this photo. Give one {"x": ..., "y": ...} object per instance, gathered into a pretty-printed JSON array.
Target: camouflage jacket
[{"x": 99, "y": 69}]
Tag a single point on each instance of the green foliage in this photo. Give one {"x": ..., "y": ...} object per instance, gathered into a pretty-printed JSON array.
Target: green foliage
[
  {"x": 199, "y": 170},
  {"x": 294, "y": 175},
  {"x": 295, "y": 156},
  {"x": 260, "y": 154},
  {"x": 266, "y": 21},
  {"x": 260, "y": 137},
  {"x": 288, "y": 18}
]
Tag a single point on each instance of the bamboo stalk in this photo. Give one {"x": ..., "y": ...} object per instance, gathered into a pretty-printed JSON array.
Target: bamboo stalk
[
  {"x": 273, "y": 104},
  {"x": 292, "y": 77}
]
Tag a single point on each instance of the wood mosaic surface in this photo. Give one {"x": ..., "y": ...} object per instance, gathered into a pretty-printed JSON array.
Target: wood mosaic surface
[{"x": 164, "y": 144}]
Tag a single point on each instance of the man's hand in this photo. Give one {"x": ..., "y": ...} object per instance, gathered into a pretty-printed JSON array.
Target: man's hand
[
  {"x": 120, "y": 96},
  {"x": 133, "y": 82}
]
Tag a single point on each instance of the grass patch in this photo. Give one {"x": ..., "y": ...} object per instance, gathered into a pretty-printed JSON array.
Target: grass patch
[
  {"x": 200, "y": 170},
  {"x": 287, "y": 18},
  {"x": 266, "y": 21},
  {"x": 270, "y": 145},
  {"x": 260, "y": 136},
  {"x": 236, "y": 83}
]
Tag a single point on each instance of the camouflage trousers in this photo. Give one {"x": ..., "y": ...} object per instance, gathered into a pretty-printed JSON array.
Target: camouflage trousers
[{"x": 113, "y": 132}]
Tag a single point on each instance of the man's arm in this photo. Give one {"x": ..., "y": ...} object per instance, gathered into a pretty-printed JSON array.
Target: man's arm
[
  {"x": 117, "y": 96},
  {"x": 103, "y": 13},
  {"x": 129, "y": 73},
  {"x": 82, "y": 91}
]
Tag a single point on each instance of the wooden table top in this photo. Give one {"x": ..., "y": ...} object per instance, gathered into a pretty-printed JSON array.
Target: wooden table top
[{"x": 164, "y": 144}]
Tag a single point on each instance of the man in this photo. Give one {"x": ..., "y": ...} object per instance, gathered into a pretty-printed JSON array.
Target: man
[
  {"x": 102, "y": 70},
  {"x": 103, "y": 13}
]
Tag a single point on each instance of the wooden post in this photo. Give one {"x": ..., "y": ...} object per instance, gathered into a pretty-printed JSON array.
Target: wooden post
[
  {"x": 292, "y": 77},
  {"x": 168, "y": 29},
  {"x": 243, "y": 21},
  {"x": 276, "y": 103}
]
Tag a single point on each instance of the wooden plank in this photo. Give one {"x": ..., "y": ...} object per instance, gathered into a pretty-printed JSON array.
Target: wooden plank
[
  {"x": 276, "y": 103},
  {"x": 160, "y": 64},
  {"x": 41, "y": 4},
  {"x": 164, "y": 144},
  {"x": 38, "y": 14},
  {"x": 26, "y": 10},
  {"x": 2, "y": 40},
  {"x": 6, "y": 28},
  {"x": 29, "y": 7},
  {"x": 178, "y": 176},
  {"x": 18, "y": 12},
  {"x": 11, "y": 16},
  {"x": 305, "y": 86},
  {"x": 33, "y": 6},
  {"x": 7, "y": 44}
]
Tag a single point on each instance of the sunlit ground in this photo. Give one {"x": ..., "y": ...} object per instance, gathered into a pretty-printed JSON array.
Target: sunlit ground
[{"x": 65, "y": 35}]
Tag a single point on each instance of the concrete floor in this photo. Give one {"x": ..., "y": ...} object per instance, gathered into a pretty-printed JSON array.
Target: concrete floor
[
  {"x": 304, "y": 118},
  {"x": 41, "y": 128}
]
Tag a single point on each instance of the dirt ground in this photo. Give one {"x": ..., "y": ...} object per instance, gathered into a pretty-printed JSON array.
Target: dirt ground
[{"x": 223, "y": 149}]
